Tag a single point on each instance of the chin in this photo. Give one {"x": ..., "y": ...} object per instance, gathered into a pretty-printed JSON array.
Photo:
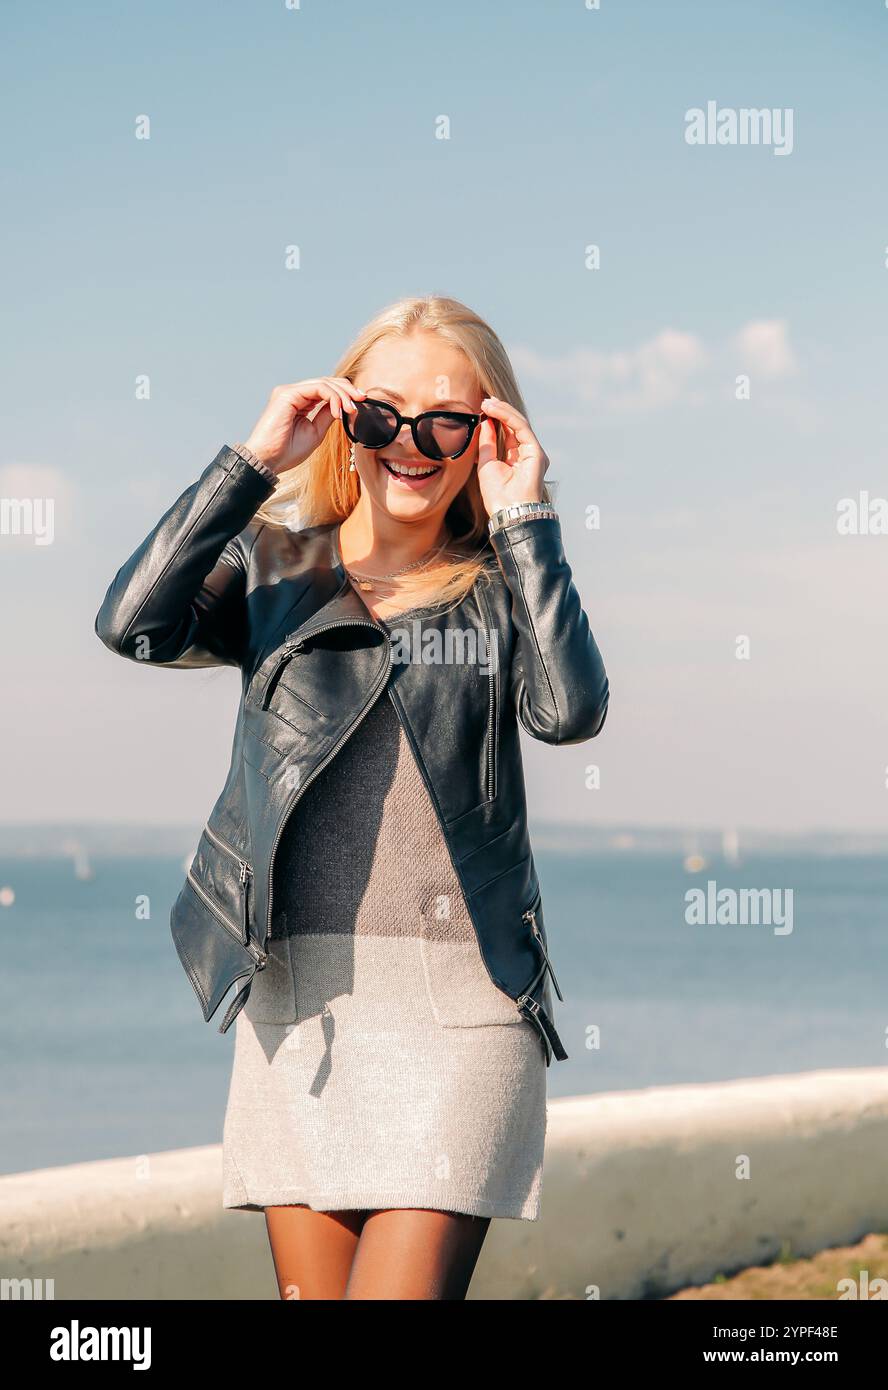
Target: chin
[
  {"x": 413, "y": 508},
  {"x": 404, "y": 504}
]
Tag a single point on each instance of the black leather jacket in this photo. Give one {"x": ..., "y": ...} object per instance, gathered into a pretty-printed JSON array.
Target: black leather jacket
[{"x": 210, "y": 586}]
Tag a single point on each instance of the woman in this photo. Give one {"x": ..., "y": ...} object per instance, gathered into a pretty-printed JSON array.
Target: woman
[{"x": 382, "y": 560}]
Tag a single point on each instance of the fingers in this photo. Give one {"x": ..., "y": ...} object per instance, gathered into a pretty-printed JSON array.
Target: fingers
[
  {"x": 486, "y": 443},
  {"x": 337, "y": 391},
  {"x": 520, "y": 444},
  {"x": 336, "y": 395},
  {"x": 511, "y": 418},
  {"x": 347, "y": 392}
]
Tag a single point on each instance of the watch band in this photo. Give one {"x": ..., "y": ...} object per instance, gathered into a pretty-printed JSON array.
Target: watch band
[
  {"x": 520, "y": 511},
  {"x": 249, "y": 457}
]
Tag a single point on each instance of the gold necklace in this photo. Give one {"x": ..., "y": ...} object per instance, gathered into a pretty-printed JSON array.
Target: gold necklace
[{"x": 372, "y": 581}]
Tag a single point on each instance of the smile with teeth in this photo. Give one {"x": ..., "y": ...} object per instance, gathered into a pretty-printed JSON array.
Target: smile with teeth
[{"x": 405, "y": 470}]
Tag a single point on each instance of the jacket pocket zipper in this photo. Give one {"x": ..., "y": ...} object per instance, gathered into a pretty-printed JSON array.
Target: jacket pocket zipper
[
  {"x": 292, "y": 648},
  {"x": 528, "y": 1006},
  {"x": 244, "y": 868},
  {"x": 276, "y": 671},
  {"x": 530, "y": 916},
  {"x": 245, "y": 872}
]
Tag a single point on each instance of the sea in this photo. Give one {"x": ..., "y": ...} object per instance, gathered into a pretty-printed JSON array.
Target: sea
[{"x": 105, "y": 1053}]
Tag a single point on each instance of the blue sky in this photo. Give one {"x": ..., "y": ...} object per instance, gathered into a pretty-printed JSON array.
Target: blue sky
[{"x": 316, "y": 127}]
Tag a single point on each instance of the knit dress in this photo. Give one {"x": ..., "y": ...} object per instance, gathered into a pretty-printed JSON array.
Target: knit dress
[{"x": 376, "y": 1064}]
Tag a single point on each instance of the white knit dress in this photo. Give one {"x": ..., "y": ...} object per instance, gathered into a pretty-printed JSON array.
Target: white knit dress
[{"x": 376, "y": 1064}]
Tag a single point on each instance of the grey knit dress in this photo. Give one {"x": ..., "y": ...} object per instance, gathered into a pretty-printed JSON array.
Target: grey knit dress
[{"x": 376, "y": 1064}]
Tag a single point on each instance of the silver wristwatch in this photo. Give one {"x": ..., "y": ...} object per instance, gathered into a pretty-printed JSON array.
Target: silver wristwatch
[{"x": 520, "y": 511}]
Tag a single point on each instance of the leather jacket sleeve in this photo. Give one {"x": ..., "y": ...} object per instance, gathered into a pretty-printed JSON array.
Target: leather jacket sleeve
[
  {"x": 558, "y": 681},
  {"x": 178, "y": 600}
]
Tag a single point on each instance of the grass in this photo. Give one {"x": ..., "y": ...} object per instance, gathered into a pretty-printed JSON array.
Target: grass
[{"x": 814, "y": 1278}]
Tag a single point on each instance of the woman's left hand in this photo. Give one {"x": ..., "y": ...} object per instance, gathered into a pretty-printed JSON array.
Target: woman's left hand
[{"x": 518, "y": 477}]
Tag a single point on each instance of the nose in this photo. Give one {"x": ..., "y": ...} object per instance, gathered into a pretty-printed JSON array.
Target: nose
[{"x": 407, "y": 442}]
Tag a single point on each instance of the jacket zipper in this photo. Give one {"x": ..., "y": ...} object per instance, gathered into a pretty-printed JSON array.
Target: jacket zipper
[
  {"x": 245, "y": 871},
  {"x": 530, "y": 916},
  {"x": 491, "y": 739},
  {"x": 492, "y": 699},
  {"x": 259, "y": 956},
  {"x": 343, "y": 738},
  {"x": 526, "y": 1003}
]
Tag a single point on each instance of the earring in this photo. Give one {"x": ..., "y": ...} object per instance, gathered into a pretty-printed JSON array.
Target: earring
[{"x": 351, "y": 455}]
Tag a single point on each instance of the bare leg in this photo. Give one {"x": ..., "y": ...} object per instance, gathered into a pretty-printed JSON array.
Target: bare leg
[
  {"x": 416, "y": 1254},
  {"x": 312, "y": 1250}
]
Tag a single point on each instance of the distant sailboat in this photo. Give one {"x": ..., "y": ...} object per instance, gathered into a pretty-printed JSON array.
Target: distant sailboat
[
  {"x": 731, "y": 846},
  {"x": 76, "y": 851},
  {"x": 83, "y": 869}
]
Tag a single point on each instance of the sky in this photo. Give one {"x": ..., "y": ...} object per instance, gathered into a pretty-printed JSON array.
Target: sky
[{"x": 714, "y": 388}]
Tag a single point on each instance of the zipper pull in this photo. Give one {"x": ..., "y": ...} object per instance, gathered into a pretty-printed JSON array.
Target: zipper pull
[
  {"x": 553, "y": 1044},
  {"x": 260, "y": 957},
  {"x": 245, "y": 873},
  {"x": 530, "y": 916},
  {"x": 529, "y": 1007},
  {"x": 281, "y": 662}
]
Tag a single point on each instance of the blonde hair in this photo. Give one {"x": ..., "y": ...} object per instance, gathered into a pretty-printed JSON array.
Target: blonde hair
[{"x": 322, "y": 489}]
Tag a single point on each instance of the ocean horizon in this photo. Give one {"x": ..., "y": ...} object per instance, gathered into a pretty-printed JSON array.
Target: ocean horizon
[{"x": 105, "y": 1052}]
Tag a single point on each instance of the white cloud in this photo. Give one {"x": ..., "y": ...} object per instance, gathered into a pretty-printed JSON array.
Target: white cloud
[
  {"x": 34, "y": 480},
  {"x": 672, "y": 366},
  {"x": 642, "y": 378},
  {"x": 764, "y": 347},
  {"x": 42, "y": 505}
]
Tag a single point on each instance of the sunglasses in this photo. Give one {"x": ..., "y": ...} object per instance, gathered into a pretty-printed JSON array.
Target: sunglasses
[{"x": 438, "y": 434}]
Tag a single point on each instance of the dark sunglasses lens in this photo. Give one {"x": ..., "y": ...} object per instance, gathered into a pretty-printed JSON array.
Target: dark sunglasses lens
[
  {"x": 443, "y": 436},
  {"x": 373, "y": 425}
]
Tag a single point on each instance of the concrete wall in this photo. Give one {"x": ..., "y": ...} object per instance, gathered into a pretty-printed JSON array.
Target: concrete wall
[{"x": 641, "y": 1197}]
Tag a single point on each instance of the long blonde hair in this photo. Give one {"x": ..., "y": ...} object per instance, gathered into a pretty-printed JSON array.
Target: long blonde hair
[{"x": 322, "y": 489}]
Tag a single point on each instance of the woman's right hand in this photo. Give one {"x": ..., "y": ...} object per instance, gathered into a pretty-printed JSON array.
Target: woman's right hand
[{"x": 297, "y": 417}]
